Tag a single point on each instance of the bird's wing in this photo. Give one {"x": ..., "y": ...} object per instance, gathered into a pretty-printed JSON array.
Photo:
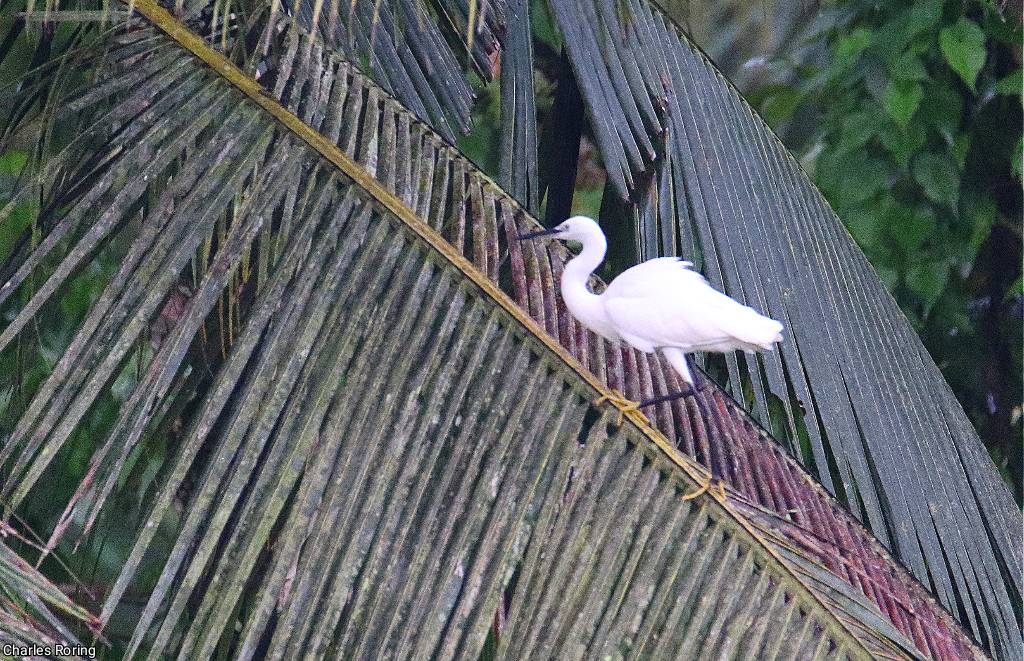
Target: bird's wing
[
  {"x": 664, "y": 304},
  {"x": 638, "y": 280}
]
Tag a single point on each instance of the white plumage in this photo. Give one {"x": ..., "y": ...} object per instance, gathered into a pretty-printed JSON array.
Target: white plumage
[{"x": 661, "y": 304}]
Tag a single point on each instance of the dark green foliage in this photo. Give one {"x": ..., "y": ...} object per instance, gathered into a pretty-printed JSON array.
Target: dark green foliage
[{"x": 917, "y": 138}]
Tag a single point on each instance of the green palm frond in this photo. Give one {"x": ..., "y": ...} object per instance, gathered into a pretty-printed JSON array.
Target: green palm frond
[
  {"x": 882, "y": 428},
  {"x": 30, "y": 605},
  {"x": 416, "y": 51},
  {"x": 518, "y": 168},
  {"x": 390, "y": 451}
]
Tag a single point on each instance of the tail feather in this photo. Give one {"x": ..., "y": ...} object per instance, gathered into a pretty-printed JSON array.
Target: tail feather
[{"x": 758, "y": 330}]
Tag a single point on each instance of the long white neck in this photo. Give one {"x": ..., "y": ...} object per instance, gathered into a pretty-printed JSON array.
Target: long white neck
[{"x": 584, "y": 305}]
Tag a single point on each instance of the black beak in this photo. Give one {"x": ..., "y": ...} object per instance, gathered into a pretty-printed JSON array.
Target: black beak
[{"x": 538, "y": 233}]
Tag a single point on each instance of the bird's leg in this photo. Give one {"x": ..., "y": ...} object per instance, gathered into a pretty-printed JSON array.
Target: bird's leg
[
  {"x": 691, "y": 389},
  {"x": 620, "y": 402},
  {"x": 680, "y": 363},
  {"x": 626, "y": 405},
  {"x": 664, "y": 398}
]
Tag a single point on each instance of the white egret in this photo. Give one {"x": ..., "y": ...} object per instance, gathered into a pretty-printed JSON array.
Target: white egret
[{"x": 659, "y": 305}]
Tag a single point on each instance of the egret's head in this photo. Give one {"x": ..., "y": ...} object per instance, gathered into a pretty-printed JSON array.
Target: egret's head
[{"x": 577, "y": 228}]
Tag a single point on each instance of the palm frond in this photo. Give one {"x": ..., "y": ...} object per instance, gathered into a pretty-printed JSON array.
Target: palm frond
[
  {"x": 389, "y": 451},
  {"x": 518, "y": 169},
  {"x": 854, "y": 380},
  {"x": 413, "y": 50},
  {"x": 30, "y": 605}
]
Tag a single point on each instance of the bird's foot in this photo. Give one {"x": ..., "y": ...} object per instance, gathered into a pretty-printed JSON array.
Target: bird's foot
[
  {"x": 714, "y": 486},
  {"x": 623, "y": 405}
]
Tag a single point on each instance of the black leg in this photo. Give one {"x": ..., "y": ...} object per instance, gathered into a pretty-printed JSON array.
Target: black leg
[
  {"x": 692, "y": 390},
  {"x": 664, "y": 398},
  {"x": 715, "y": 484}
]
